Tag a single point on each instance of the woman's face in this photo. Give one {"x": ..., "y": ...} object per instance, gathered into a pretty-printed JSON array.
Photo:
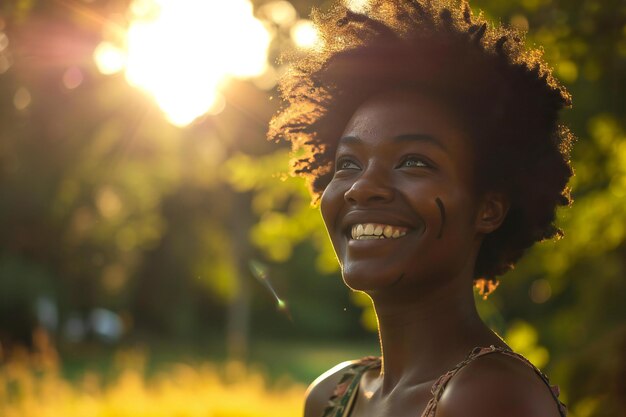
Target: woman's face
[{"x": 400, "y": 209}]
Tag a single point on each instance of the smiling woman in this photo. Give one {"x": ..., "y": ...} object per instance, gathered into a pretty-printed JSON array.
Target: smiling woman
[
  {"x": 432, "y": 139},
  {"x": 399, "y": 155}
]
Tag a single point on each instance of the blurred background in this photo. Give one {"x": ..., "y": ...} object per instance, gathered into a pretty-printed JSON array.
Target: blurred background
[{"x": 156, "y": 258}]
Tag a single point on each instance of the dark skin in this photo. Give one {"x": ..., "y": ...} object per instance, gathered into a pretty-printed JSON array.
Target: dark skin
[{"x": 402, "y": 165}]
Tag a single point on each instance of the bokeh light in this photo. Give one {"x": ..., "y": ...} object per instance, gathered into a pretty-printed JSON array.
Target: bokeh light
[
  {"x": 22, "y": 98},
  {"x": 280, "y": 12},
  {"x": 358, "y": 6},
  {"x": 72, "y": 78},
  {"x": 183, "y": 51},
  {"x": 4, "y": 41},
  {"x": 109, "y": 58},
  {"x": 519, "y": 21},
  {"x": 305, "y": 34},
  {"x": 540, "y": 291},
  {"x": 5, "y": 62}
]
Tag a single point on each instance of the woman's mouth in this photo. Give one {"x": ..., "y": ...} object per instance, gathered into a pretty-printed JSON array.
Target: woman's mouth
[{"x": 368, "y": 231}]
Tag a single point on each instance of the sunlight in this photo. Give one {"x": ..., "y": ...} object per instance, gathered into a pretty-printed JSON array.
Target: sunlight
[
  {"x": 34, "y": 386},
  {"x": 109, "y": 58},
  {"x": 280, "y": 12},
  {"x": 358, "y": 6},
  {"x": 183, "y": 51},
  {"x": 305, "y": 34}
]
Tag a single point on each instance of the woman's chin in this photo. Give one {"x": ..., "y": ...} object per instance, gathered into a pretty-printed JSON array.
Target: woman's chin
[{"x": 366, "y": 280}]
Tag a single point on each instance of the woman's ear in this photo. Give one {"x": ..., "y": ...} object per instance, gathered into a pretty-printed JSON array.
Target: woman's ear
[{"x": 492, "y": 212}]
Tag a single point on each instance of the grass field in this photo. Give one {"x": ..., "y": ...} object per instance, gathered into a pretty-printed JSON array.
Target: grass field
[
  {"x": 131, "y": 382},
  {"x": 35, "y": 387}
]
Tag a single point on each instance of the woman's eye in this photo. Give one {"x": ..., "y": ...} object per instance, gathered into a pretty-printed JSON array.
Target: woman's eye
[
  {"x": 346, "y": 164},
  {"x": 413, "y": 162}
]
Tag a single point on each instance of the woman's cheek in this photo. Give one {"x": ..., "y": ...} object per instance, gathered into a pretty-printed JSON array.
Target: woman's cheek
[{"x": 330, "y": 204}]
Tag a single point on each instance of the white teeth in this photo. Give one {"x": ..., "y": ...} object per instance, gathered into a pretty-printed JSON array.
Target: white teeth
[{"x": 368, "y": 231}]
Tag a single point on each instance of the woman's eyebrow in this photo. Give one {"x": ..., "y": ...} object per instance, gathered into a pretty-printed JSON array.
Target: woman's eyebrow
[
  {"x": 347, "y": 140},
  {"x": 420, "y": 137},
  {"x": 409, "y": 137}
]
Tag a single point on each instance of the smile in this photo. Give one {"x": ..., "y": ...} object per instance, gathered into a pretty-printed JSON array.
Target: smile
[{"x": 367, "y": 231}]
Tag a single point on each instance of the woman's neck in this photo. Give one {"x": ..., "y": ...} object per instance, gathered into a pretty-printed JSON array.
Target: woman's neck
[{"x": 422, "y": 337}]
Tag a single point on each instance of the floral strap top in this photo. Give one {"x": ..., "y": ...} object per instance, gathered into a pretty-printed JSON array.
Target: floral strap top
[{"x": 342, "y": 400}]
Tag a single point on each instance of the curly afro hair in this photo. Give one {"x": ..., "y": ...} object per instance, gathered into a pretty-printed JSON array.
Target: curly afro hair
[{"x": 503, "y": 94}]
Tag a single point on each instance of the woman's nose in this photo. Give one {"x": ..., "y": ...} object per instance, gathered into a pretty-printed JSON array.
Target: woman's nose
[{"x": 370, "y": 187}]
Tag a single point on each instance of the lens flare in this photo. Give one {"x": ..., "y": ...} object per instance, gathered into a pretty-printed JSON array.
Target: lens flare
[
  {"x": 259, "y": 271},
  {"x": 183, "y": 51},
  {"x": 109, "y": 58},
  {"x": 305, "y": 34}
]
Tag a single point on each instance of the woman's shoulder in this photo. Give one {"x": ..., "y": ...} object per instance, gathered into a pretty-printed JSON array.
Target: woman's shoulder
[
  {"x": 497, "y": 385},
  {"x": 324, "y": 387},
  {"x": 320, "y": 390}
]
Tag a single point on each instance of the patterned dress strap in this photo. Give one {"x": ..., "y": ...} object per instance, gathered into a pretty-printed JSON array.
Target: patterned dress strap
[
  {"x": 440, "y": 385},
  {"x": 340, "y": 402}
]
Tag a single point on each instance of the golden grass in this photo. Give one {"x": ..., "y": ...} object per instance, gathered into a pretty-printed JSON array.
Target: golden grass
[{"x": 33, "y": 387}]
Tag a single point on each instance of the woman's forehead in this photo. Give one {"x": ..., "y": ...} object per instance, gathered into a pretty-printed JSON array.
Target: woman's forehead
[{"x": 393, "y": 114}]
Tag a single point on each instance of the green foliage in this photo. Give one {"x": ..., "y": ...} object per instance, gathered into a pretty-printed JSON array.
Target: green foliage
[
  {"x": 523, "y": 338},
  {"x": 22, "y": 284},
  {"x": 283, "y": 206},
  {"x": 573, "y": 283},
  {"x": 103, "y": 204}
]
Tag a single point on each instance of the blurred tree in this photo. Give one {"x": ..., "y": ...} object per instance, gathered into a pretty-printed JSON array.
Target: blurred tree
[
  {"x": 568, "y": 281},
  {"x": 104, "y": 204}
]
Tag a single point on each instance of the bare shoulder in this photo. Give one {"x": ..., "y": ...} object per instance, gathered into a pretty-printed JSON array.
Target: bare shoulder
[
  {"x": 320, "y": 390},
  {"x": 497, "y": 385}
]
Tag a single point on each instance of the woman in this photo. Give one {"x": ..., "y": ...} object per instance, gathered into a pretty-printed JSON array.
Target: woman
[{"x": 433, "y": 140}]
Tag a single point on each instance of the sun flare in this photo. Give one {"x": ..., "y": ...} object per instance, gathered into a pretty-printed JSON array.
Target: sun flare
[{"x": 183, "y": 51}]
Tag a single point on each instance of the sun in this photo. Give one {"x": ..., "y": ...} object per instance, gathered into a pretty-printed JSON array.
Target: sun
[{"x": 183, "y": 51}]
